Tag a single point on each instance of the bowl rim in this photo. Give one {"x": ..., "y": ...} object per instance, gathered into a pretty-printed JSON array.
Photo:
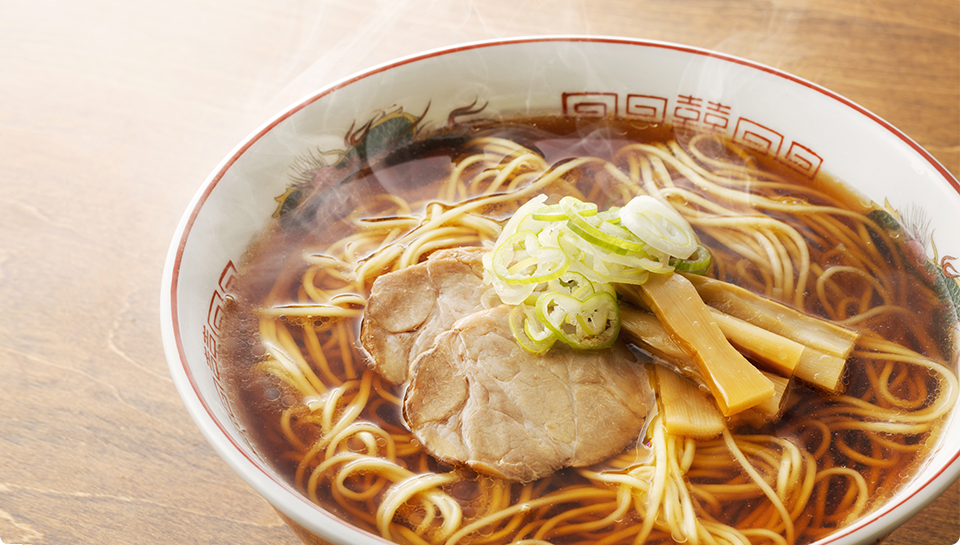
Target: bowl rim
[{"x": 301, "y": 509}]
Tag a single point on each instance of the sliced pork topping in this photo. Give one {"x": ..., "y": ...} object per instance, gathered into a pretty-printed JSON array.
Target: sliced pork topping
[
  {"x": 407, "y": 309},
  {"x": 478, "y": 398}
]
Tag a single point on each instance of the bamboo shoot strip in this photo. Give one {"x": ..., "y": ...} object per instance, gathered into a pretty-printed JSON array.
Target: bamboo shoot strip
[
  {"x": 778, "y": 353},
  {"x": 775, "y": 317},
  {"x": 645, "y": 330},
  {"x": 771, "y": 409},
  {"x": 685, "y": 408},
  {"x": 820, "y": 369},
  {"x": 735, "y": 383}
]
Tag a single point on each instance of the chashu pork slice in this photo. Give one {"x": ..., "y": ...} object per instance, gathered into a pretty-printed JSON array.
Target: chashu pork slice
[
  {"x": 478, "y": 398},
  {"x": 408, "y": 308}
]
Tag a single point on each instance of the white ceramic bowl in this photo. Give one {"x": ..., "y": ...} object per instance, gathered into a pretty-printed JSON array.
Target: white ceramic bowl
[{"x": 799, "y": 123}]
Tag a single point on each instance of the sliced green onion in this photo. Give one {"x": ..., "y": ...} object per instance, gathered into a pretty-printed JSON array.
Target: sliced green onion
[
  {"x": 557, "y": 264},
  {"x": 535, "y": 329},
  {"x": 530, "y": 334},
  {"x": 517, "y": 294},
  {"x": 611, "y": 215},
  {"x": 522, "y": 260},
  {"x": 572, "y": 283},
  {"x": 595, "y": 231},
  {"x": 599, "y": 241},
  {"x": 556, "y": 212},
  {"x": 659, "y": 225},
  {"x": 635, "y": 261},
  {"x": 698, "y": 263},
  {"x": 588, "y": 324},
  {"x": 512, "y": 225},
  {"x": 623, "y": 275}
]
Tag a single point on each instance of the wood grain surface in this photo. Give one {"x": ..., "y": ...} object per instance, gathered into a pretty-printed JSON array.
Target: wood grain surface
[{"x": 112, "y": 112}]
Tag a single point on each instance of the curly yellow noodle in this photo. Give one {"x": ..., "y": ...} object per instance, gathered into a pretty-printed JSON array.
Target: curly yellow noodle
[
  {"x": 400, "y": 206},
  {"x": 524, "y": 160},
  {"x": 909, "y": 319},
  {"x": 500, "y": 499},
  {"x": 706, "y": 181},
  {"x": 829, "y": 273},
  {"x": 385, "y": 393},
  {"x": 756, "y": 227},
  {"x": 443, "y": 237},
  {"x": 884, "y": 386},
  {"x": 409, "y": 487},
  {"x": 321, "y": 470},
  {"x": 766, "y": 534},
  {"x": 574, "y": 494},
  {"x": 893, "y": 445},
  {"x": 614, "y": 512},
  {"x": 409, "y": 536},
  {"x": 286, "y": 426},
  {"x": 366, "y": 431},
  {"x": 855, "y": 253},
  {"x": 768, "y": 492},
  {"x": 860, "y": 491},
  {"x": 864, "y": 459}
]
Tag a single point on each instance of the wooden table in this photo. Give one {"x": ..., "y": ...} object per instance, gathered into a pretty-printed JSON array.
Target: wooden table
[{"x": 112, "y": 112}]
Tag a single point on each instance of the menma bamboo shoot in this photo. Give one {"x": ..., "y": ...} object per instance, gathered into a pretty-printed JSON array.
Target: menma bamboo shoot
[
  {"x": 776, "y": 352},
  {"x": 645, "y": 330},
  {"x": 771, "y": 409},
  {"x": 775, "y": 317},
  {"x": 735, "y": 383},
  {"x": 685, "y": 408},
  {"x": 821, "y": 369}
]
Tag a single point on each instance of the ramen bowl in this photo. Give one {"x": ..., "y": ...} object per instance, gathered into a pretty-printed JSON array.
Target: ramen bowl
[{"x": 792, "y": 122}]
